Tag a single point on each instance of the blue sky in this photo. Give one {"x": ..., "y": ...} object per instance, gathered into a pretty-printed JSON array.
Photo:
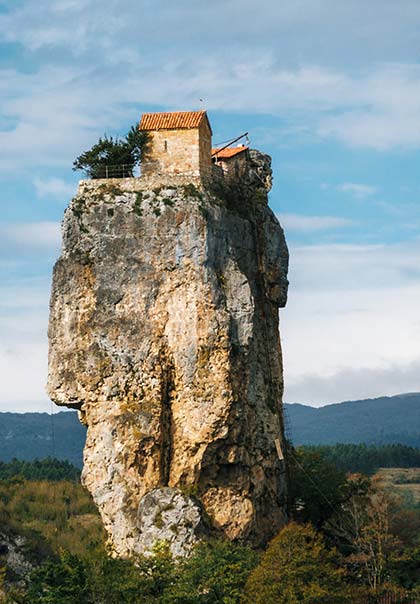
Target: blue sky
[{"x": 331, "y": 90}]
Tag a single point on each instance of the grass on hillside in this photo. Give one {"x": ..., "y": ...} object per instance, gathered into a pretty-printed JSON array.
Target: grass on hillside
[
  {"x": 62, "y": 512},
  {"x": 404, "y": 482}
]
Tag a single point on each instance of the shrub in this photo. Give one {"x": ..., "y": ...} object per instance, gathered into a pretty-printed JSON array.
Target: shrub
[{"x": 297, "y": 568}]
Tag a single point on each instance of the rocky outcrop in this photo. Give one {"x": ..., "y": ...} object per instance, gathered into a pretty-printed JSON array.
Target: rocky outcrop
[
  {"x": 167, "y": 515},
  {"x": 164, "y": 335},
  {"x": 15, "y": 560}
]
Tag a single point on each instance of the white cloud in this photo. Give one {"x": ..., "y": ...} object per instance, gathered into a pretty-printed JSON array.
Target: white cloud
[
  {"x": 355, "y": 384},
  {"x": 352, "y": 312},
  {"x": 29, "y": 236},
  {"x": 23, "y": 346},
  {"x": 358, "y": 190},
  {"x": 28, "y": 241},
  {"x": 383, "y": 114},
  {"x": 358, "y": 267},
  {"x": 310, "y": 224},
  {"x": 100, "y": 72},
  {"x": 54, "y": 187},
  {"x": 348, "y": 30}
]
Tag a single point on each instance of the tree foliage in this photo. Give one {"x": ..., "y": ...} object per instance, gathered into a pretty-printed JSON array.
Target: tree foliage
[
  {"x": 63, "y": 582},
  {"x": 115, "y": 581},
  {"x": 39, "y": 469},
  {"x": 297, "y": 568},
  {"x": 317, "y": 487},
  {"x": 365, "y": 530},
  {"x": 367, "y": 458},
  {"x": 363, "y": 537},
  {"x": 373, "y": 542},
  {"x": 112, "y": 157},
  {"x": 215, "y": 574},
  {"x": 405, "y": 569},
  {"x": 371, "y": 527}
]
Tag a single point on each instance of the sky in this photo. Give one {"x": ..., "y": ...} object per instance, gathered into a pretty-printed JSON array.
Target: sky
[{"x": 331, "y": 90}]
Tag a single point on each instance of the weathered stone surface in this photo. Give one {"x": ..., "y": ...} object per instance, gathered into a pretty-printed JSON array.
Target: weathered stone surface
[
  {"x": 164, "y": 334},
  {"x": 166, "y": 515},
  {"x": 14, "y": 558}
]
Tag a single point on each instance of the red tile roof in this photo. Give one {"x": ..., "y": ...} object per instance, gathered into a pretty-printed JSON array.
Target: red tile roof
[
  {"x": 174, "y": 120},
  {"x": 228, "y": 152}
]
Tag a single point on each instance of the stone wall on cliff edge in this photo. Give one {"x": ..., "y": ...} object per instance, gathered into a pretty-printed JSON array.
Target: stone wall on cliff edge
[{"x": 164, "y": 335}]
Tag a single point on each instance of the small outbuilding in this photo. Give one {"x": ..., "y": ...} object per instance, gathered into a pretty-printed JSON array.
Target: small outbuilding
[
  {"x": 232, "y": 160},
  {"x": 179, "y": 143}
]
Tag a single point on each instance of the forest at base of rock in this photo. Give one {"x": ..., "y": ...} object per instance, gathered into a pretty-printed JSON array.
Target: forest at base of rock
[{"x": 352, "y": 538}]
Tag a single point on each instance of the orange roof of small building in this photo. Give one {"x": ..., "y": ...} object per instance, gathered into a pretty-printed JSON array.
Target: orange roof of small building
[
  {"x": 228, "y": 152},
  {"x": 173, "y": 120}
]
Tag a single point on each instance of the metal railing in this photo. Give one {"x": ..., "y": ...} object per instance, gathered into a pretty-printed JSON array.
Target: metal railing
[
  {"x": 128, "y": 171},
  {"x": 114, "y": 171},
  {"x": 212, "y": 172}
]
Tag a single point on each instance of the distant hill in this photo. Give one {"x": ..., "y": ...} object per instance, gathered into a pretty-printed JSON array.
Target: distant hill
[
  {"x": 388, "y": 419},
  {"x": 30, "y": 435},
  {"x": 385, "y": 420}
]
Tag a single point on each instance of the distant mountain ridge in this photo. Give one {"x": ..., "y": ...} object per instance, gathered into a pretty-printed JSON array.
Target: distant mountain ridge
[
  {"x": 383, "y": 420},
  {"x": 38, "y": 435}
]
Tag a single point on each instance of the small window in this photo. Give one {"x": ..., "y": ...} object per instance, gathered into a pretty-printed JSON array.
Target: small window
[{"x": 166, "y": 145}]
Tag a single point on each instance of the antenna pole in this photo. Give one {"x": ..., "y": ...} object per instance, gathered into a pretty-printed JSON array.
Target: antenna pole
[{"x": 230, "y": 143}]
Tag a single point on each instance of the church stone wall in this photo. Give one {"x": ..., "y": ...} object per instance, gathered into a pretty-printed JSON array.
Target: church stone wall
[
  {"x": 205, "y": 149},
  {"x": 173, "y": 152}
]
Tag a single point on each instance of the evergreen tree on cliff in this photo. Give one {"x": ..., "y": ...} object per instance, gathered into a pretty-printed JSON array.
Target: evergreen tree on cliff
[{"x": 111, "y": 157}]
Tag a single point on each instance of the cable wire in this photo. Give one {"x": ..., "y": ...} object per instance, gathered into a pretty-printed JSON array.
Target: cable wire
[{"x": 52, "y": 430}]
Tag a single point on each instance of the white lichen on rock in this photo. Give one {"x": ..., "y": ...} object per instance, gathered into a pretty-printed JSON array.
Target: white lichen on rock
[
  {"x": 166, "y": 515},
  {"x": 164, "y": 334},
  {"x": 15, "y": 556}
]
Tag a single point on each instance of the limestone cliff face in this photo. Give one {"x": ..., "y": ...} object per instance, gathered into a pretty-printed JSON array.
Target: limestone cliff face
[{"x": 164, "y": 334}]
